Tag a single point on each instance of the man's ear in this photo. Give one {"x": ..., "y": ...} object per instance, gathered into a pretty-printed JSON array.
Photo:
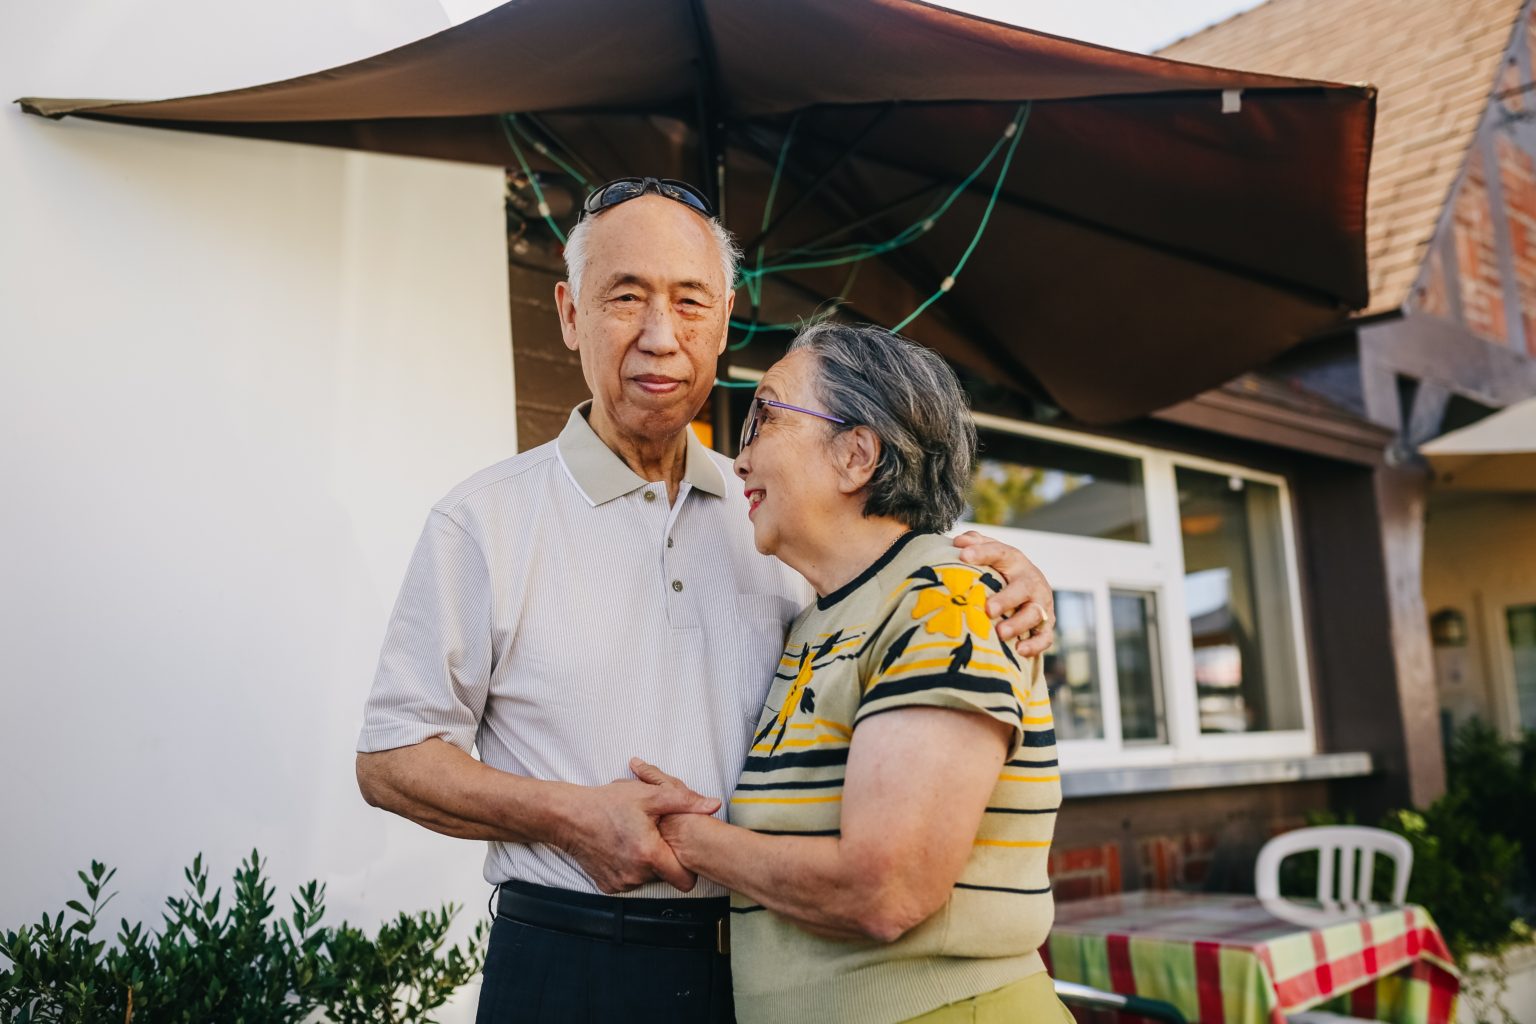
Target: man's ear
[
  {"x": 565, "y": 306},
  {"x": 859, "y": 455},
  {"x": 725, "y": 329}
]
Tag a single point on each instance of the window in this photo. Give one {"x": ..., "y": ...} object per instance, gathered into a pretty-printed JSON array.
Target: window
[
  {"x": 1244, "y": 670},
  {"x": 1072, "y": 669},
  {"x": 1033, "y": 484},
  {"x": 1177, "y": 633},
  {"x": 1137, "y": 667},
  {"x": 1521, "y": 622}
]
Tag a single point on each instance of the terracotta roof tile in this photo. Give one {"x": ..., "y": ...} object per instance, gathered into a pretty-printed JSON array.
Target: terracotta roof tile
[{"x": 1435, "y": 63}]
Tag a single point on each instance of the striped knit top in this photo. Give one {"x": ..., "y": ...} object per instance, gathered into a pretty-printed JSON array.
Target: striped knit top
[{"x": 910, "y": 631}]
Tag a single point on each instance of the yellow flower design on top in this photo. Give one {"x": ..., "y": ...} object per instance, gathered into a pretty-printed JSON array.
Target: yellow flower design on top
[{"x": 957, "y": 604}]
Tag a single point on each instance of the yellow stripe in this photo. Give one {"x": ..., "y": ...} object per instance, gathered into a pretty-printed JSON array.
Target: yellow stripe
[
  {"x": 786, "y": 799},
  {"x": 914, "y": 666},
  {"x": 1029, "y": 778},
  {"x": 975, "y": 666},
  {"x": 823, "y": 724},
  {"x": 766, "y": 748},
  {"x": 946, "y": 644},
  {"x": 1041, "y": 720},
  {"x": 1039, "y": 703},
  {"x": 1013, "y": 842}
]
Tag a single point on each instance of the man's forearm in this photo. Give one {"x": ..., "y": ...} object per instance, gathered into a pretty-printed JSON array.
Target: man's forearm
[{"x": 440, "y": 787}]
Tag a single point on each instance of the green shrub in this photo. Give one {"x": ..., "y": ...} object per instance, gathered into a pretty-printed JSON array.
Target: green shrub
[{"x": 216, "y": 962}]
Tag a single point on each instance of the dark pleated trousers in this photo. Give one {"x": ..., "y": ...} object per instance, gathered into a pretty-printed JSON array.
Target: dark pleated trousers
[{"x": 540, "y": 976}]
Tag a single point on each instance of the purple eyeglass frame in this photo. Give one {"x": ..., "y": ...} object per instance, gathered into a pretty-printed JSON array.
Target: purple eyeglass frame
[{"x": 749, "y": 426}]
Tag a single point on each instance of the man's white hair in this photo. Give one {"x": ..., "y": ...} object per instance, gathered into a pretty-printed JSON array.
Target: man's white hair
[{"x": 576, "y": 252}]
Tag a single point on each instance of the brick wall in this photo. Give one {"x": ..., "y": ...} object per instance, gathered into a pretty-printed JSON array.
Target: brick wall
[
  {"x": 1197, "y": 839},
  {"x": 1481, "y": 284},
  {"x": 1483, "y": 263},
  {"x": 1517, "y": 173},
  {"x": 547, "y": 374}
]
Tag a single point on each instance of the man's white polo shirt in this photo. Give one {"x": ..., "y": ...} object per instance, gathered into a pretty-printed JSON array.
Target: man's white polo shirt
[{"x": 561, "y": 616}]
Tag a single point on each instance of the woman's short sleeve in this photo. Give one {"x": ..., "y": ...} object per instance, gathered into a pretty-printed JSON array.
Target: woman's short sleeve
[{"x": 936, "y": 647}]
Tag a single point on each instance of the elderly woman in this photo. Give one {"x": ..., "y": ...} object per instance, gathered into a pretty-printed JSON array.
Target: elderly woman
[{"x": 887, "y": 851}]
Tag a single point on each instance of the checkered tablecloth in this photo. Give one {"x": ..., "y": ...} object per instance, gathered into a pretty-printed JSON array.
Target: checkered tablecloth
[{"x": 1237, "y": 960}]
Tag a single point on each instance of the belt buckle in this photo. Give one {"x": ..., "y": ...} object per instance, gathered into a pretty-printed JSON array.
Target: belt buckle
[{"x": 723, "y": 935}]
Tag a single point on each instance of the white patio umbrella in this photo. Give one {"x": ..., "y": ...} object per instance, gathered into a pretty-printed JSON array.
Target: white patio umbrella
[{"x": 1494, "y": 454}]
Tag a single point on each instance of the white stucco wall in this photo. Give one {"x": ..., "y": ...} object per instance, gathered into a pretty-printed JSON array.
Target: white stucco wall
[
  {"x": 233, "y": 377},
  {"x": 1480, "y": 559}
]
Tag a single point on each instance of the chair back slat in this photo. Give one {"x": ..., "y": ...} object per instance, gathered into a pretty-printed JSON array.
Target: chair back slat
[{"x": 1356, "y": 848}]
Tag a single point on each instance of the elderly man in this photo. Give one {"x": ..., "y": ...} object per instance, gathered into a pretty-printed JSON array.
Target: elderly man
[{"x": 592, "y": 599}]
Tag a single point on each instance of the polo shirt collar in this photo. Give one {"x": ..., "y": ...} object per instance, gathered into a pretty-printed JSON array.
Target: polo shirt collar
[{"x": 602, "y": 476}]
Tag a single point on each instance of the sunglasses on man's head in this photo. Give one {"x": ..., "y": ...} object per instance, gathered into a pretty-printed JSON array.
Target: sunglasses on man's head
[
  {"x": 622, "y": 190},
  {"x": 755, "y": 417}
]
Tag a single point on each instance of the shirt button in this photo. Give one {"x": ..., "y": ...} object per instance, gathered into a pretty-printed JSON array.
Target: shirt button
[
  {"x": 650, "y": 495},
  {"x": 677, "y": 585},
  {"x": 669, "y": 542}
]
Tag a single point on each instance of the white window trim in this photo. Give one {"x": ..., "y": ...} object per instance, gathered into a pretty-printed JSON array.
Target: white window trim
[{"x": 1099, "y": 566}]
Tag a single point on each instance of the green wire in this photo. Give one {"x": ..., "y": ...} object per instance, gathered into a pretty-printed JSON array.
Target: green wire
[
  {"x": 538, "y": 193},
  {"x": 854, "y": 253},
  {"x": 546, "y": 152},
  {"x": 754, "y": 281},
  {"x": 1019, "y": 121},
  {"x": 907, "y": 235}
]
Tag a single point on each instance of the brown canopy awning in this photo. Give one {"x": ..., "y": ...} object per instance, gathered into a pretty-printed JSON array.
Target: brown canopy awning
[{"x": 1165, "y": 227}]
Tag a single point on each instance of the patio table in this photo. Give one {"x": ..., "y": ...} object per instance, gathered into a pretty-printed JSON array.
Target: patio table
[{"x": 1225, "y": 959}]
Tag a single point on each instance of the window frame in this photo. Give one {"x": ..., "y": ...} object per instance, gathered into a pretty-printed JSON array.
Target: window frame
[{"x": 1156, "y": 566}]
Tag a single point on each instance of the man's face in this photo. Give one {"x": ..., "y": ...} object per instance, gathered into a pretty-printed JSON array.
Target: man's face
[{"x": 652, "y": 317}]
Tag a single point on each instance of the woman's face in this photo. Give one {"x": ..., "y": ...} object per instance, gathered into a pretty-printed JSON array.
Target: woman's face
[{"x": 791, "y": 478}]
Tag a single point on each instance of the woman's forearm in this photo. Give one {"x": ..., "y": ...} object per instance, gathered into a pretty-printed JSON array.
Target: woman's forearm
[
  {"x": 819, "y": 882},
  {"x": 916, "y": 787}
]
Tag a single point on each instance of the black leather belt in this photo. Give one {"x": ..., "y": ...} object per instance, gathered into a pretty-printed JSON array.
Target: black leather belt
[{"x": 699, "y": 924}]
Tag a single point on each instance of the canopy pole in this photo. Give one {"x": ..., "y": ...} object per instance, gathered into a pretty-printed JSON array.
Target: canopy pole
[{"x": 712, "y": 168}]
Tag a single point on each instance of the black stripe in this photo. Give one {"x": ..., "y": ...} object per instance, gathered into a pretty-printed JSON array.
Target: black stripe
[
  {"x": 934, "y": 681},
  {"x": 798, "y": 832},
  {"x": 874, "y": 636},
  {"x": 794, "y": 784},
  {"x": 745, "y": 910},
  {"x": 997, "y": 888},
  {"x": 801, "y": 759},
  {"x": 1006, "y": 709},
  {"x": 823, "y": 603},
  {"x": 1022, "y": 810},
  {"x": 1044, "y": 738},
  {"x": 1019, "y": 762}
]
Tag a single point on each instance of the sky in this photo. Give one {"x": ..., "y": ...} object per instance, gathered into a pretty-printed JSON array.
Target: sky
[{"x": 1141, "y": 25}]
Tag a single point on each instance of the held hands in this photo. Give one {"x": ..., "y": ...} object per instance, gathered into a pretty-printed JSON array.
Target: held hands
[
  {"x": 674, "y": 828},
  {"x": 1026, "y": 603},
  {"x": 615, "y": 838}
]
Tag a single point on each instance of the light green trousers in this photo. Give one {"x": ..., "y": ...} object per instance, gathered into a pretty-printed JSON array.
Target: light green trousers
[{"x": 1029, "y": 1000}]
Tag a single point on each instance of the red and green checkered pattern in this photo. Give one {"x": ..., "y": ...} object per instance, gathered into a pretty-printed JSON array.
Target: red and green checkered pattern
[{"x": 1230, "y": 960}]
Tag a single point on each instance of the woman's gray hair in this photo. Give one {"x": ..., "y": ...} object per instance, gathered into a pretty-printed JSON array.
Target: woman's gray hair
[
  {"x": 576, "y": 253},
  {"x": 913, "y": 402}
]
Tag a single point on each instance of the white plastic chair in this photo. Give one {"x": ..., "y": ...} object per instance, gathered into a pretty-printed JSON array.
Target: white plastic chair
[{"x": 1357, "y": 848}]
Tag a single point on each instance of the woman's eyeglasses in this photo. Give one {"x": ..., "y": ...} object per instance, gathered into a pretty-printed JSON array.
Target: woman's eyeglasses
[
  {"x": 622, "y": 190},
  {"x": 755, "y": 417}
]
